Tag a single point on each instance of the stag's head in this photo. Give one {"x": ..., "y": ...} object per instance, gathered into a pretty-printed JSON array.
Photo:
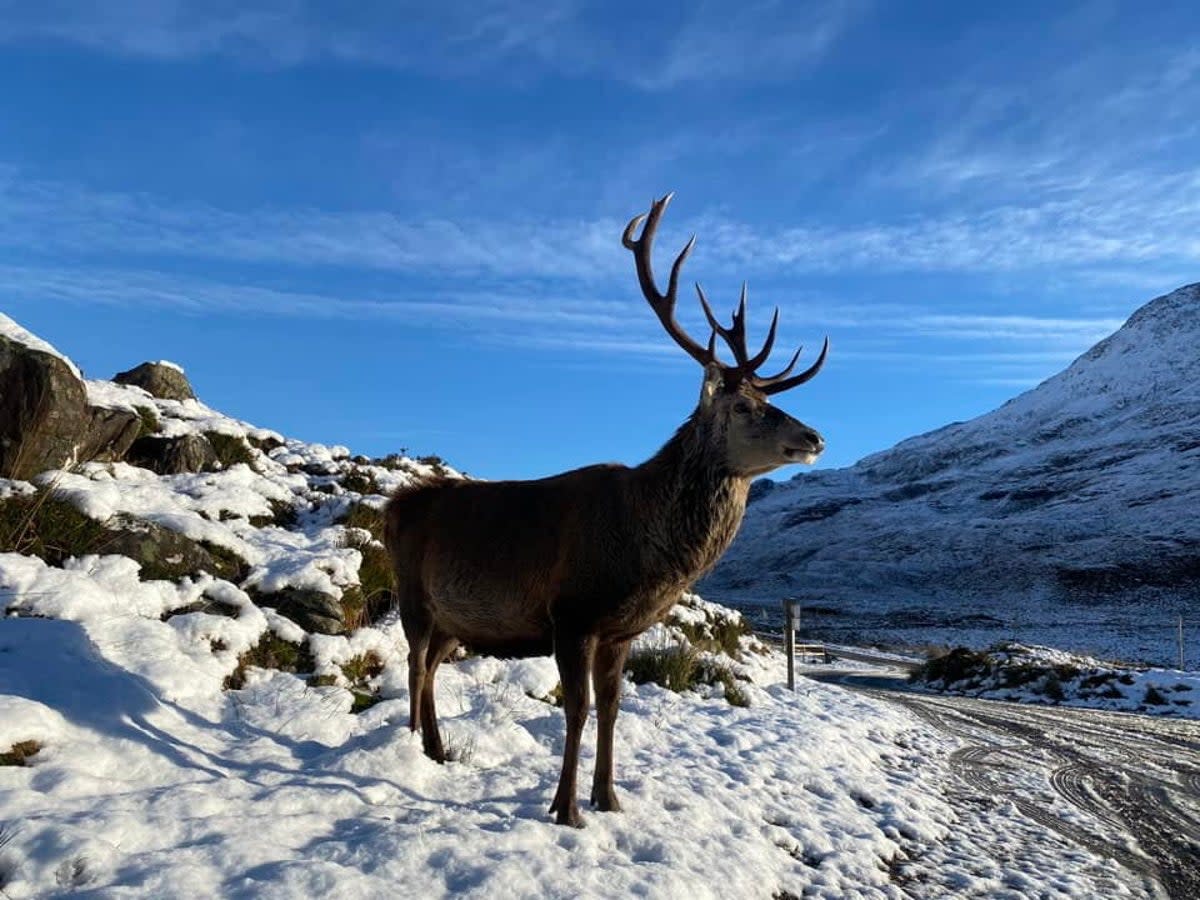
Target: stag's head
[{"x": 734, "y": 399}]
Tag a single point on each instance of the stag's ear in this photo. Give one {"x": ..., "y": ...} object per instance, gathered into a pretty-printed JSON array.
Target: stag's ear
[{"x": 714, "y": 380}]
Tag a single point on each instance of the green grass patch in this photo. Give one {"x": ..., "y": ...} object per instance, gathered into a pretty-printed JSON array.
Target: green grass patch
[
  {"x": 554, "y": 698},
  {"x": 359, "y": 671},
  {"x": 230, "y": 449},
  {"x": 671, "y": 667},
  {"x": 372, "y": 597},
  {"x": 271, "y": 652},
  {"x": 360, "y": 481},
  {"x": 716, "y": 636},
  {"x": 19, "y": 753},
  {"x": 681, "y": 667},
  {"x": 41, "y": 525},
  {"x": 283, "y": 515},
  {"x": 436, "y": 463},
  {"x": 148, "y": 422}
]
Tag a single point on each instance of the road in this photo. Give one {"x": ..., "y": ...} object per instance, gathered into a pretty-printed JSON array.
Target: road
[{"x": 1126, "y": 787}]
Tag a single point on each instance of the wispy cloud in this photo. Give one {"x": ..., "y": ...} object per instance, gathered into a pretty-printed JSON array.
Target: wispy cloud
[
  {"x": 1144, "y": 222},
  {"x": 759, "y": 39},
  {"x": 604, "y": 329}
]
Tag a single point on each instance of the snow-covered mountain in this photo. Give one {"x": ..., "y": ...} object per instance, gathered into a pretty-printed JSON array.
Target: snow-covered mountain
[{"x": 1069, "y": 515}]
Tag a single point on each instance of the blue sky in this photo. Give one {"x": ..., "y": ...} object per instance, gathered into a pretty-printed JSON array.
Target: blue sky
[{"x": 398, "y": 225}]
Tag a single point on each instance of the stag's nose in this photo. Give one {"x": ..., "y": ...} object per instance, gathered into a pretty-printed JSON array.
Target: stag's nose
[{"x": 815, "y": 441}]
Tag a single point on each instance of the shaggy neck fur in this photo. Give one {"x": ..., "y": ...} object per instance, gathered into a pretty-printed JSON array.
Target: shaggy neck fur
[{"x": 698, "y": 501}]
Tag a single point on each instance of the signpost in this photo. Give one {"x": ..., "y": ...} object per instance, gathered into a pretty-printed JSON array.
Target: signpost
[{"x": 790, "y": 617}]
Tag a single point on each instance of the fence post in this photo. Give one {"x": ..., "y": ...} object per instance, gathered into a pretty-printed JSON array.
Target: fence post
[{"x": 789, "y": 640}]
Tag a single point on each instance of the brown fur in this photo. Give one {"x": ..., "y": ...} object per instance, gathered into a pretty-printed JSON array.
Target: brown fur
[{"x": 580, "y": 563}]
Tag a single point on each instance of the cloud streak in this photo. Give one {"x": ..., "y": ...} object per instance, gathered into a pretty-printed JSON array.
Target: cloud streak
[
  {"x": 755, "y": 40},
  {"x": 1151, "y": 222}
]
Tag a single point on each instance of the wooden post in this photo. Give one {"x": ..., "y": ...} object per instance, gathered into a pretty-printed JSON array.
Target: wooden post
[{"x": 789, "y": 640}]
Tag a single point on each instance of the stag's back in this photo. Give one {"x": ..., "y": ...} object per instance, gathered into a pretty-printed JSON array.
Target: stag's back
[{"x": 491, "y": 560}]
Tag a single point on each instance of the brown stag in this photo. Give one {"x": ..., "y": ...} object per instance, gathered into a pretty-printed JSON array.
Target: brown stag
[{"x": 581, "y": 563}]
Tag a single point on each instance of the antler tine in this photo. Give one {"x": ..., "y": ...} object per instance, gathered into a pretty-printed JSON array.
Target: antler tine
[
  {"x": 664, "y": 304},
  {"x": 778, "y": 383},
  {"x": 761, "y": 357},
  {"x": 735, "y": 335}
]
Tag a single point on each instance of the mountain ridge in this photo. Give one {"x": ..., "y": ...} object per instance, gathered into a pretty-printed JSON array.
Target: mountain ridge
[{"x": 1066, "y": 505}]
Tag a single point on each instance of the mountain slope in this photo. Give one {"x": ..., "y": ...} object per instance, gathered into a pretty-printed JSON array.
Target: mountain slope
[{"x": 1068, "y": 511}]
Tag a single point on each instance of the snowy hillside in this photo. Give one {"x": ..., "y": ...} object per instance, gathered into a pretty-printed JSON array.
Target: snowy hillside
[
  {"x": 167, "y": 731},
  {"x": 1065, "y": 517}
]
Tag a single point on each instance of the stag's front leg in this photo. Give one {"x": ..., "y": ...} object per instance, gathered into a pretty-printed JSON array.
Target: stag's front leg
[
  {"x": 574, "y": 657},
  {"x": 606, "y": 678}
]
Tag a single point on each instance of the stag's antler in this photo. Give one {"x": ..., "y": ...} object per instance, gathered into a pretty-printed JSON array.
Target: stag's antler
[
  {"x": 664, "y": 304},
  {"x": 734, "y": 336}
]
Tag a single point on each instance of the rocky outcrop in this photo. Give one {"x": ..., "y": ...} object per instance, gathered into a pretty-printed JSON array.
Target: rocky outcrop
[
  {"x": 168, "y": 555},
  {"x": 313, "y": 611},
  {"x": 109, "y": 433},
  {"x": 162, "y": 379},
  {"x": 46, "y": 421},
  {"x": 172, "y": 455},
  {"x": 43, "y": 410}
]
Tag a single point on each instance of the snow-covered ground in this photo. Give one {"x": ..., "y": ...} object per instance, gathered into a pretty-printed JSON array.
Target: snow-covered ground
[
  {"x": 147, "y": 771},
  {"x": 1025, "y": 674}
]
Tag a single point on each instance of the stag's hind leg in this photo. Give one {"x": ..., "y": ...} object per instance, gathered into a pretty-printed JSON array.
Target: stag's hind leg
[
  {"x": 574, "y": 657},
  {"x": 418, "y": 631},
  {"x": 440, "y": 647},
  {"x": 606, "y": 678}
]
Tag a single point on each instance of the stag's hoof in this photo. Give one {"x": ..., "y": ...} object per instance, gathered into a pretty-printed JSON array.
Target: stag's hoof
[
  {"x": 566, "y": 813},
  {"x": 569, "y": 817},
  {"x": 605, "y": 800}
]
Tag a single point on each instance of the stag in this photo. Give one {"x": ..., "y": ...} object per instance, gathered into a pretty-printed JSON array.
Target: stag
[{"x": 578, "y": 564}]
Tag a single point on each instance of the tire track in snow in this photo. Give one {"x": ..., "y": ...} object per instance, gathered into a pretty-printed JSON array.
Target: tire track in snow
[{"x": 1138, "y": 777}]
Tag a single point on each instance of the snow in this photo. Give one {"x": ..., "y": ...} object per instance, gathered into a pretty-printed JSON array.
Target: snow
[
  {"x": 110, "y": 395},
  {"x": 14, "y": 332},
  {"x": 1025, "y": 674},
  {"x": 155, "y": 779},
  {"x": 151, "y": 782}
]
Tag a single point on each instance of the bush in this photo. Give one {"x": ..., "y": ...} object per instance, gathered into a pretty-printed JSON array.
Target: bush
[
  {"x": 954, "y": 666},
  {"x": 434, "y": 462},
  {"x": 361, "y": 482},
  {"x": 1154, "y": 697},
  {"x": 1053, "y": 688},
  {"x": 716, "y": 636},
  {"x": 681, "y": 667},
  {"x": 671, "y": 667},
  {"x": 18, "y": 754}
]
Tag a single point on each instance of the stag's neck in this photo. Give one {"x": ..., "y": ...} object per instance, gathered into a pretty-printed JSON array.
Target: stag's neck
[{"x": 693, "y": 504}]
